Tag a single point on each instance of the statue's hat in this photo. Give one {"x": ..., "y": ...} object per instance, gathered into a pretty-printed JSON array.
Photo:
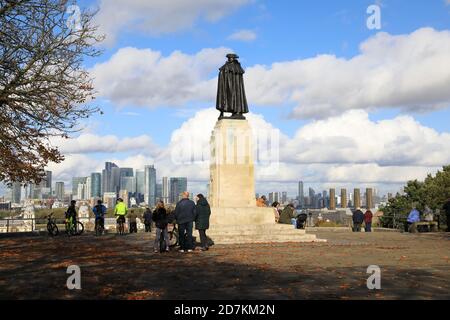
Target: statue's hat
[{"x": 232, "y": 56}]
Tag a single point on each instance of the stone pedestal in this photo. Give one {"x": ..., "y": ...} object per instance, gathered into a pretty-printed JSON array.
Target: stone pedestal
[
  {"x": 235, "y": 218},
  {"x": 232, "y": 181}
]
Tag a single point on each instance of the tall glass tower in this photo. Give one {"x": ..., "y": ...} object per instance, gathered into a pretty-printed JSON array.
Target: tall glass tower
[
  {"x": 150, "y": 185},
  {"x": 96, "y": 185}
]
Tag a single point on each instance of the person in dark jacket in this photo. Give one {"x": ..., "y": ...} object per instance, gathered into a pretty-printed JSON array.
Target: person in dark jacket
[
  {"x": 447, "y": 213},
  {"x": 147, "y": 217},
  {"x": 161, "y": 219},
  {"x": 185, "y": 217},
  {"x": 287, "y": 214},
  {"x": 203, "y": 211},
  {"x": 368, "y": 220},
  {"x": 358, "y": 218},
  {"x": 99, "y": 212}
]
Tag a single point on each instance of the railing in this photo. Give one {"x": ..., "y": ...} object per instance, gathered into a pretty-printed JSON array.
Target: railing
[{"x": 8, "y": 225}]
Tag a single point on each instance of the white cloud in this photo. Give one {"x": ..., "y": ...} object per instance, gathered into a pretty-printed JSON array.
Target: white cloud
[
  {"x": 91, "y": 143},
  {"x": 354, "y": 138},
  {"x": 157, "y": 17},
  {"x": 342, "y": 151},
  {"x": 144, "y": 77},
  {"x": 410, "y": 72},
  {"x": 74, "y": 165},
  {"x": 243, "y": 35}
]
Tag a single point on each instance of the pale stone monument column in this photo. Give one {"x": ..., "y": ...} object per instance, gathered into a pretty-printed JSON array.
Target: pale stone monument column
[
  {"x": 232, "y": 171},
  {"x": 232, "y": 179}
]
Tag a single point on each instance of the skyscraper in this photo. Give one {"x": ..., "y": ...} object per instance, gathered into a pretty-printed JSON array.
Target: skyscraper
[
  {"x": 107, "y": 185},
  {"x": 177, "y": 186},
  {"x": 301, "y": 194},
  {"x": 87, "y": 188},
  {"x": 125, "y": 172},
  {"x": 96, "y": 185},
  {"x": 343, "y": 198},
  {"x": 150, "y": 185},
  {"x": 369, "y": 198},
  {"x": 115, "y": 180},
  {"x": 76, "y": 181},
  {"x": 16, "y": 192},
  {"x": 165, "y": 189},
  {"x": 356, "y": 198},
  {"x": 59, "y": 188},
  {"x": 81, "y": 191},
  {"x": 48, "y": 180},
  {"x": 128, "y": 184},
  {"x": 140, "y": 185},
  {"x": 159, "y": 191},
  {"x": 284, "y": 197},
  {"x": 332, "y": 205}
]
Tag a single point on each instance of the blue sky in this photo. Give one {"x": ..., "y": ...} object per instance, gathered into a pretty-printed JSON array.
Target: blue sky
[
  {"x": 314, "y": 71},
  {"x": 286, "y": 30}
]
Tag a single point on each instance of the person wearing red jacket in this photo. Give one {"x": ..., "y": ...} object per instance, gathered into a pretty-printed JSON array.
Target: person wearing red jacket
[{"x": 368, "y": 221}]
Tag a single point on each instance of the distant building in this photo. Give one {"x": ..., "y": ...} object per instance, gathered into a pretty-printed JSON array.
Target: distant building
[
  {"x": 96, "y": 185},
  {"x": 107, "y": 177},
  {"x": 369, "y": 198},
  {"x": 357, "y": 198},
  {"x": 115, "y": 180},
  {"x": 16, "y": 192},
  {"x": 76, "y": 181},
  {"x": 301, "y": 194},
  {"x": 165, "y": 189},
  {"x": 47, "y": 182},
  {"x": 126, "y": 173},
  {"x": 109, "y": 199},
  {"x": 274, "y": 196},
  {"x": 332, "y": 205},
  {"x": 177, "y": 186},
  {"x": 284, "y": 197},
  {"x": 150, "y": 185},
  {"x": 344, "y": 200},
  {"x": 140, "y": 185},
  {"x": 128, "y": 183},
  {"x": 159, "y": 190},
  {"x": 59, "y": 189}
]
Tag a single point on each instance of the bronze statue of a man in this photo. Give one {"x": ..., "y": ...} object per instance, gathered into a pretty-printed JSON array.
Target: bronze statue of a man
[{"x": 230, "y": 89}]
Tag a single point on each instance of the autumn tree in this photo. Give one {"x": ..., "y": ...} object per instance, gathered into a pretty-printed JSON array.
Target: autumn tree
[{"x": 44, "y": 89}]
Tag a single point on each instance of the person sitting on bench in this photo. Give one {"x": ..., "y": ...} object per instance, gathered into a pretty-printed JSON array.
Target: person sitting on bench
[{"x": 413, "y": 217}]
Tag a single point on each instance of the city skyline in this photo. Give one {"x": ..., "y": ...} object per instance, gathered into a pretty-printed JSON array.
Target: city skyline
[{"x": 169, "y": 189}]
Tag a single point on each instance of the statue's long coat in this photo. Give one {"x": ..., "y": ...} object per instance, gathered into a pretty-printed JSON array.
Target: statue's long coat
[{"x": 230, "y": 89}]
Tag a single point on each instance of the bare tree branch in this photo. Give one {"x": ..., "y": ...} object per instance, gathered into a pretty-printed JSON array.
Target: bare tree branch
[{"x": 44, "y": 89}]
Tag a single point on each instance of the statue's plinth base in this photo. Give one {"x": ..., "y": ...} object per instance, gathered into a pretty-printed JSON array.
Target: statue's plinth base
[
  {"x": 235, "y": 218},
  {"x": 234, "y": 225}
]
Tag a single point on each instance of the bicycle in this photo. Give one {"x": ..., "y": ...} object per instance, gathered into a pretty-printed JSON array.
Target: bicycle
[
  {"x": 52, "y": 228},
  {"x": 173, "y": 235},
  {"x": 99, "y": 226},
  {"x": 73, "y": 229},
  {"x": 121, "y": 225}
]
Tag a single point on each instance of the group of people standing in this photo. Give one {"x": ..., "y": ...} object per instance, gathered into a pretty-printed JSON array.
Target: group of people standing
[
  {"x": 186, "y": 213},
  {"x": 359, "y": 218}
]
